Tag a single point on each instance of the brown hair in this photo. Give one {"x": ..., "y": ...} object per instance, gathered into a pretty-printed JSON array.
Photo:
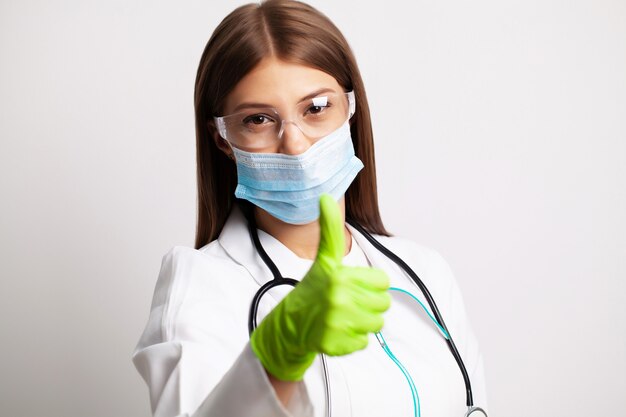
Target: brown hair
[{"x": 291, "y": 31}]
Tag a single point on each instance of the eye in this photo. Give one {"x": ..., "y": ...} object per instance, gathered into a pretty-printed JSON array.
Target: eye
[
  {"x": 257, "y": 119},
  {"x": 317, "y": 109}
]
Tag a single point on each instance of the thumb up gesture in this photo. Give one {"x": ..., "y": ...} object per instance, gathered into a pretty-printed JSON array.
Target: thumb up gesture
[{"x": 330, "y": 311}]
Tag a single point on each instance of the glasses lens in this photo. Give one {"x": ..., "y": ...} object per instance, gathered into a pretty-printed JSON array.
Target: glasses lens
[
  {"x": 322, "y": 115},
  {"x": 259, "y": 128},
  {"x": 252, "y": 129}
]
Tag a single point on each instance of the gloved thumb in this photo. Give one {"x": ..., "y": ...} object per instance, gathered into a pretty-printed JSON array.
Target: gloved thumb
[{"x": 332, "y": 238}]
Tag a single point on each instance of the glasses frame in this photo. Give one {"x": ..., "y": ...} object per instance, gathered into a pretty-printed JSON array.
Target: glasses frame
[{"x": 220, "y": 123}]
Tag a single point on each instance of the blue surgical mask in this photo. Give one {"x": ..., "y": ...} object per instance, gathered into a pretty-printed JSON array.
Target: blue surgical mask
[{"x": 289, "y": 186}]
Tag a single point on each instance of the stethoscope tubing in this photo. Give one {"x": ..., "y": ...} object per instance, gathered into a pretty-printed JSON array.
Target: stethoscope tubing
[
  {"x": 429, "y": 298},
  {"x": 280, "y": 280},
  {"x": 277, "y": 281}
]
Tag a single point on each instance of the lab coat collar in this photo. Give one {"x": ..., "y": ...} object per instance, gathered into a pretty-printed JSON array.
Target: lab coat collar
[
  {"x": 236, "y": 241},
  {"x": 376, "y": 258}
]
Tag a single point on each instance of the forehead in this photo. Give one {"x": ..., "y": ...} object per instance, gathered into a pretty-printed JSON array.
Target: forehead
[{"x": 278, "y": 83}]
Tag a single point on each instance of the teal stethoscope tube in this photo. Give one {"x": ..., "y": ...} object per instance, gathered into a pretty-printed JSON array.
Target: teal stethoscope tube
[
  {"x": 431, "y": 302},
  {"x": 417, "y": 412},
  {"x": 383, "y": 343},
  {"x": 416, "y": 399}
]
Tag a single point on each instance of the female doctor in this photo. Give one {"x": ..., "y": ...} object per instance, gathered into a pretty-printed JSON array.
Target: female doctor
[{"x": 285, "y": 156}]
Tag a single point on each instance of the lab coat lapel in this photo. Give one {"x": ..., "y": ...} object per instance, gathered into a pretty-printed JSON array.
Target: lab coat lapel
[
  {"x": 376, "y": 258},
  {"x": 236, "y": 241}
]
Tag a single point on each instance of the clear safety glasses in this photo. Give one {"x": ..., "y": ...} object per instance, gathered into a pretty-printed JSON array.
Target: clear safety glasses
[{"x": 256, "y": 128}]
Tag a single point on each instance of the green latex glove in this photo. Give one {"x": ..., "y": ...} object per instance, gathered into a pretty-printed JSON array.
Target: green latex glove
[{"x": 332, "y": 310}]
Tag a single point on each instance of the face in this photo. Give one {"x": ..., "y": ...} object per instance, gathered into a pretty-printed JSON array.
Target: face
[{"x": 280, "y": 85}]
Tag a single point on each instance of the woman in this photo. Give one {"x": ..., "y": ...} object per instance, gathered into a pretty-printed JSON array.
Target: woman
[{"x": 285, "y": 152}]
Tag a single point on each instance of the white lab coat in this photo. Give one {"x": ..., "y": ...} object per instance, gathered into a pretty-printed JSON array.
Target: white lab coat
[{"x": 195, "y": 357}]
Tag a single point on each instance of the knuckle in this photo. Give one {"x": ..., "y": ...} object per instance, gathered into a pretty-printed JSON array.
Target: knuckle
[
  {"x": 378, "y": 324},
  {"x": 386, "y": 301}
]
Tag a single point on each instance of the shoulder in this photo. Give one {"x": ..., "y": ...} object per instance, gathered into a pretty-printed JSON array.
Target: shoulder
[
  {"x": 195, "y": 287},
  {"x": 183, "y": 265}
]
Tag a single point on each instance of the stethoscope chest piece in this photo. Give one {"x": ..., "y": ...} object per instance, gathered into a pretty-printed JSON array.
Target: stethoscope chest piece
[{"x": 475, "y": 412}]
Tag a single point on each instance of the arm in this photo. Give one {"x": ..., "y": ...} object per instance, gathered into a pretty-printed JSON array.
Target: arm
[
  {"x": 194, "y": 353},
  {"x": 284, "y": 389}
]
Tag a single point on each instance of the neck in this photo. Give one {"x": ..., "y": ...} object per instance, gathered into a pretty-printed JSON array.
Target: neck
[{"x": 301, "y": 239}]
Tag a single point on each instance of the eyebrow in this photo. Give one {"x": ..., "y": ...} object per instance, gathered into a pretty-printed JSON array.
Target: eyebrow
[{"x": 264, "y": 105}]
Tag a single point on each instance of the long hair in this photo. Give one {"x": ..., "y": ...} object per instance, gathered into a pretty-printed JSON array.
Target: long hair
[{"x": 294, "y": 32}]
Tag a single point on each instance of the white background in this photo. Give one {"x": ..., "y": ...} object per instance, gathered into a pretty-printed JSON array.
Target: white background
[{"x": 500, "y": 131}]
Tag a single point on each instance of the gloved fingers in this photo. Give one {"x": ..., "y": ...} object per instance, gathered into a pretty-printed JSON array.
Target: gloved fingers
[
  {"x": 332, "y": 238},
  {"x": 366, "y": 322},
  {"x": 338, "y": 344},
  {"x": 353, "y": 320},
  {"x": 366, "y": 277},
  {"x": 374, "y": 301},
  {"x": 364, "y": 288}
]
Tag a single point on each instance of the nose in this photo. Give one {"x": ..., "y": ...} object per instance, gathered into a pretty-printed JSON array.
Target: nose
[{"x": 293, "y": 141}]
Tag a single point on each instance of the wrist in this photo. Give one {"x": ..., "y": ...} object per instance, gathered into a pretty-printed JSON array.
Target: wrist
[
  {"x": 278, "y": 360},
  {"x": 278, "y": 344}
]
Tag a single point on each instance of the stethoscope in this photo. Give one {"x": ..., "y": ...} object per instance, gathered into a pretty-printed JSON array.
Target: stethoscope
[{"x": 280, "y": 280}]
